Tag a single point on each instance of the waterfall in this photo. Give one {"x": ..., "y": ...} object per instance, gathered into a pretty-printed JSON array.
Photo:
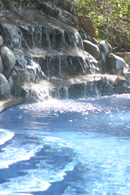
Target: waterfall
[
  {"x": 57, "y": 53},
  {"x": 49, "y": 49}
]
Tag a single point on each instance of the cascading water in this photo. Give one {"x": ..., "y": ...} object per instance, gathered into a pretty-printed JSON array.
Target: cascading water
[
  {"x": 54, "y": 46},
  {"x": 75, "y": 146},
  {"x": 49, "y": 50}
]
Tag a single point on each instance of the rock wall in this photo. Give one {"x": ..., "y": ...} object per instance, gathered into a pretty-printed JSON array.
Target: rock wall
[{"x": 44, "y": 44}]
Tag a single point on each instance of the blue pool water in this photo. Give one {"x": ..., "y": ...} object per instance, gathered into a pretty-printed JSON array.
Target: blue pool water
[{"x": 66, "y": 147}]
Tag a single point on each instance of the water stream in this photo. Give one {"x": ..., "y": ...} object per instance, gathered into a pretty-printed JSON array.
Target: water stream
[{"x": 68, "y": 147}]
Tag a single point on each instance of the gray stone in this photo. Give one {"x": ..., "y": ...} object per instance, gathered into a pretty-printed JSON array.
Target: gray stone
[
  {"x": 92, "y": 49},
  {"x": 126, "y": 73},
  {"x": 116, "y": 61},
  {"x": 105, "y": 47},
  {"x": 117, "y": 72},
  {"x": 8, "y": 57},
  {"x": 115, "y": 64},
  {"x": 101, "y": 66},
  {"x": 1, "y": 40},
  {"x": 1, "y": 65},
  {"x": 121, "y": 82},
  {"x": 31, "y": 73},
  {"x": 4, "y": 86},
  {"x": 125, "y": 56},
  {"x": 15, "y": 83}
]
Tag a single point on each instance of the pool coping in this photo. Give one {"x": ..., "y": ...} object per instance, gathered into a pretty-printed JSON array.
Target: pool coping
[{"x": 4, "y": 104}]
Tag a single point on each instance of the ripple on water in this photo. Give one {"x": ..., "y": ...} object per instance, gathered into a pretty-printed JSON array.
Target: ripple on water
[
  {"x": 99, "y": 161},
  {"x": 17, "y": 150},
  {"x": 5, "y": 136}
]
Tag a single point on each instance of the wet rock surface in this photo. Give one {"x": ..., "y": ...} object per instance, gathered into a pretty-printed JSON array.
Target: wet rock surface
[
  {"x": 4, "y": 87},
  {"x": 45, "y": 46},
  {"x": 115, "y": 64},
  {"x": 93, "y": 49}
]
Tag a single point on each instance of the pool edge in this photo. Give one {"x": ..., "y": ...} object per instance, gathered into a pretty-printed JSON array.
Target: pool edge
[{"x": 10, "y": 102}]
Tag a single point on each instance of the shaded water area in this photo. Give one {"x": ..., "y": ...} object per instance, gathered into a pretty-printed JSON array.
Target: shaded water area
[{"x": 66, "y": 147}]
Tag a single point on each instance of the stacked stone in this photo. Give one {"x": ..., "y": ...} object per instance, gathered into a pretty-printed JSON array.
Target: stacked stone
[
  {"x": 108, "y": 61},
  {"x": 7, "y": 63}
]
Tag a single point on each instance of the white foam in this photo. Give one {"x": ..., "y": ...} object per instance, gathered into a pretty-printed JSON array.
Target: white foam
[
  {"x": 83, "y": 105},
  {"x": 24, "y": 184},
  {"x": 14, "y": 153},
  {"x": 40, "y": 179},
  {"x": 101, "y": 155},
  {"x": 5, "y": 136},
  {"x": 61, "y": 106}
]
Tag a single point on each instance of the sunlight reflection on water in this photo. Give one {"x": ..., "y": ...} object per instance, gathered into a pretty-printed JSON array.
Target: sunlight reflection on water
[{"x": 82, "y": 143}]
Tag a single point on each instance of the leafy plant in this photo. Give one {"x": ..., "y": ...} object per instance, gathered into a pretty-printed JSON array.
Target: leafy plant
[{"x": 111, "y": 18}]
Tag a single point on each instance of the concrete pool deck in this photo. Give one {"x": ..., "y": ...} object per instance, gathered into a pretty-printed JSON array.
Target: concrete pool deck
[{"x": 10, "y": 102}]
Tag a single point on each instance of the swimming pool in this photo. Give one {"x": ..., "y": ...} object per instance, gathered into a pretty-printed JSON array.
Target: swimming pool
[{"x": 66, "y": 147}]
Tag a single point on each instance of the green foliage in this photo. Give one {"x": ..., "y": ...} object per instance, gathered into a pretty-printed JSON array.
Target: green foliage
[{"x": 111, "y": 18}]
